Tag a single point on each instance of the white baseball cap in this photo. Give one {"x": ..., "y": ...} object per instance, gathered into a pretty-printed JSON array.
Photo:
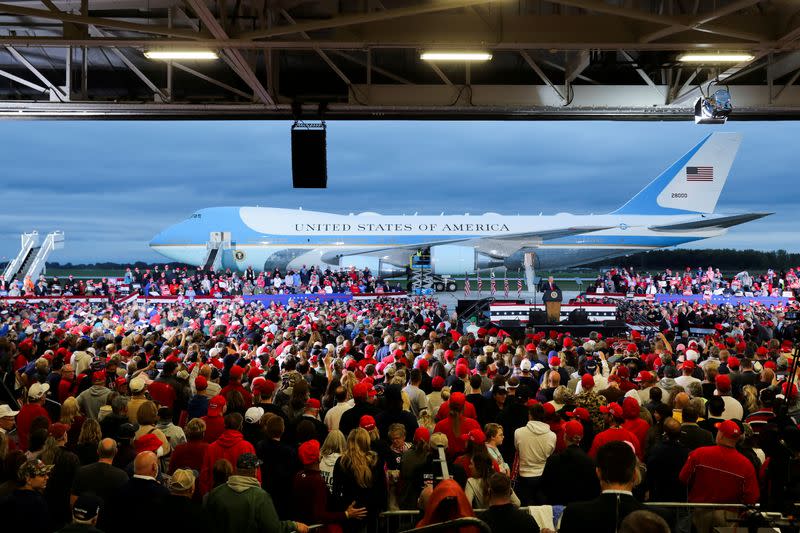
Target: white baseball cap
[
  {"x": 525, "y": 365},
  {"x": 38, "y": 390},
  {"x": 253, "y": 415}
]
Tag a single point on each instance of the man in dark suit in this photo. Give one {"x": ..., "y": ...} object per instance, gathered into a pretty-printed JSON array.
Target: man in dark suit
[
  {"x": 502, "y": 515},
  {"x": 548, "y": 287},
  {"x": 616, "y": 468}
]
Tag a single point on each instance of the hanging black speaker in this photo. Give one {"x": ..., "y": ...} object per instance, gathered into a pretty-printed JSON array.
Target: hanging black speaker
[{"x": 309, "y": 156}]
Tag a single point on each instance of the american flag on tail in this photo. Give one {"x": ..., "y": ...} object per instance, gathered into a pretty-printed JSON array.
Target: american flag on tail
[
  {"x": 493, "y": 283},
  {"x": 505, "y": 284},
  {"x": 466, "y": 284}
]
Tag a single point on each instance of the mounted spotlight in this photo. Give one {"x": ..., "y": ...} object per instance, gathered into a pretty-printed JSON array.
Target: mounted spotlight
[{"x": 713, "y": 108}]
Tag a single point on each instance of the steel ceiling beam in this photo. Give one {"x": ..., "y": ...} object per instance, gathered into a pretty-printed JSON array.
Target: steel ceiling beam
[
  {"x": 97, "y": 21},
  {"x": 361, "y": 18},
  {"x": 50, "y": 85},
  {"x": 241, "y": 66},
  {"x": 697, "y": 23},
  {"x": 672, "y": 21}
]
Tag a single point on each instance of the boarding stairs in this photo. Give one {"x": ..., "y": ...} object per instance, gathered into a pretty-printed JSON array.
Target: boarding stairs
[
  {"x": 33, "y": 255},
  {"x": 217, "y": 241}
]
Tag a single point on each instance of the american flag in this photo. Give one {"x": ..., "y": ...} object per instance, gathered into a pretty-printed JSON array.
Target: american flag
[
  {"x": 480, "y": 283},
  {"x": 519, "y": 285},
  {"x": 466, "y": 284},
  {"x": 505, "y": 284},
  {"x": 493, "y": 284},
  {"x": 699, "y": 173}
]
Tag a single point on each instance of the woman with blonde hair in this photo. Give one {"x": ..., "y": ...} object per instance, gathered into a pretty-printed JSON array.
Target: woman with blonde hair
[
  {"x": 358, "y": 477},
  {"x": 330, "y": 452},
  {"x": 71, "y": 416}
]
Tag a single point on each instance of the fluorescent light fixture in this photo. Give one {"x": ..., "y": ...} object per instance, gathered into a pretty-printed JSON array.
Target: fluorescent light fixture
[
  {"x": 715, "y": 58},
  {"x": 456, "y": 56},
  {"x": 180, "y": 54}
]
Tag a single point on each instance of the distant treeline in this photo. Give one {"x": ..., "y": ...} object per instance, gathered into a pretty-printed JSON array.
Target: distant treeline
[{"x": 724, "y": 259}]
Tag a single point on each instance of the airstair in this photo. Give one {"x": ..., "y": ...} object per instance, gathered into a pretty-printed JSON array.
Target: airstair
[
  {"x": 217, "y": 241},
  {"x": 33, "y": 254}
]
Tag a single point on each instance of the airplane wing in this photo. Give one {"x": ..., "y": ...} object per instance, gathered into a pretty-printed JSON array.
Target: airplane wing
[
  {"x": 708, "y": 223},
  {"x": 494, "y": 245}
]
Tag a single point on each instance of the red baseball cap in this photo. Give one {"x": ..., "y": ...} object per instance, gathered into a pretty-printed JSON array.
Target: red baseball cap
[
  {"x": 573, "y": 429},
  {"x": 688, "y": 364},
  {"x": 457, "y": 399},
  {"x": 631, "y": 347},
  {"x": 200, "y": 383},
  {"x": 587, "y": 381},
  {"x": 729, "y": 429},
  {"x": 476, "y": 436},
  {"x": 733, "y": 362},
  {"x": 367, "y": 422},
  {"x": 263, "y": 386},
  {"x": 421, "y": 434},
  {"x": 236, "y": 372},
  {"x": 555, "y": 361},
  {"x": 360, "y": 391},
  {"x": 579, "y": 412},
  {"x": 308, "y": 453},
  {"x": 614, "y": 408},
  {"x": 149, "y": 442},
  {"x": 216, "y": 405},
  {"x": 437, "y": 383},
  {"x": 549, "y": 408},
  {"x": 645, "y": 377},
  {"x": 723, "y": 383},
  {"x": 312, "y": 403},
  {"x": 531, "y": 402}
]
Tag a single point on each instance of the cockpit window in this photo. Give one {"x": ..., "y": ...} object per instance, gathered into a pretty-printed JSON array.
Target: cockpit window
[{"x": 196, "y": 215}]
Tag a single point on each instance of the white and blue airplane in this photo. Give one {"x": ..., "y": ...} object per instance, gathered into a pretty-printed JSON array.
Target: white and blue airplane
[{"x": 677, "y": 207}]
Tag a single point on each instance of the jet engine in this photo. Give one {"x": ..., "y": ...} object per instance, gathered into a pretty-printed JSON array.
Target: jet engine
[{"x": 454, "y": 259}]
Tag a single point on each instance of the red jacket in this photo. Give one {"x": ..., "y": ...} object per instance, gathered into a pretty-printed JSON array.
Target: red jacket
[
  {"x": 312, "y": 507},
  {"x": 719, "y": 474},
  {"x": 25, "y": 417},
  {"x": 189, "y": 455},
  {"x": 456, "y": 444},
  {"x": 444, "y": 411},
  {"x": 248, "y": 398},
  {"x": 215, "y": 427},
  {"x": 638, "y": 427},
  {"x": 229, "y": 446}
]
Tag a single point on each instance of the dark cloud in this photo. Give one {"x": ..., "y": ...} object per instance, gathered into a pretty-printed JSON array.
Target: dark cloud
[{"x": 111, "y": 186}]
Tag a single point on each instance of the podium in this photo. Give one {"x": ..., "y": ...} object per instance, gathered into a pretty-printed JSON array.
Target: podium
[
  {"x": 552, "y": 304},
  {"x": 553, "y": 309}
]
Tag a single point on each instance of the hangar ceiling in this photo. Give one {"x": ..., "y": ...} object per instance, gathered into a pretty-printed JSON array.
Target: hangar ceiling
[{"x": 361, "y": 58}]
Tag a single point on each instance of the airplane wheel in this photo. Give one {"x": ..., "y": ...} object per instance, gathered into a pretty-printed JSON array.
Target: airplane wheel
[
  {"x": 451, "y": 286},
  {"x": 438, "y": 286}
]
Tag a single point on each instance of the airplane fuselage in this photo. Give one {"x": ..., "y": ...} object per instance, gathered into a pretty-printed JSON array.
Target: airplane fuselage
[{"x": 265, "y": 238}]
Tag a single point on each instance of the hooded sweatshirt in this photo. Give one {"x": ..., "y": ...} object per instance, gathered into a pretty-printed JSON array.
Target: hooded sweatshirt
[
  {"x": 535, "y": 443},
  {"x": 92, "y": 399},
  {"x": 634, "y": 424},
  {"x": 230, "y": 446},
  {"x": 242, "y": 506},
  {"x": 326, "y": 465}
]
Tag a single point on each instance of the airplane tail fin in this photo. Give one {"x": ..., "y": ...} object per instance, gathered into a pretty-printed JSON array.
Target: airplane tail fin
[{"x": 692, "y": 184}]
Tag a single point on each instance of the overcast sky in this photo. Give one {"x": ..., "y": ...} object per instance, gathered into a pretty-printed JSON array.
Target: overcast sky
[{"x": 111, "y": 186}]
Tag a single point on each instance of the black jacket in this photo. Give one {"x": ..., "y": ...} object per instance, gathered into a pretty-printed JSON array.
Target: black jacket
[
  {"x": 570, "y": 477},
  {"x": 503, "y": 518},
  {"x": 352, "y": 416},
  {"x": 693, "y": 436},
  {"x": 604, "y": 514},
  {"x": 664, "y": 463}
]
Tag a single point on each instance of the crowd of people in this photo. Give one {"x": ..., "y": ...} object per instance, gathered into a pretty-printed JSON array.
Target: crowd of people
[
  {"x": 234, "y": 417},
  {"x": 194, "y": 281},
  {"x": 701, "y": 280}
]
